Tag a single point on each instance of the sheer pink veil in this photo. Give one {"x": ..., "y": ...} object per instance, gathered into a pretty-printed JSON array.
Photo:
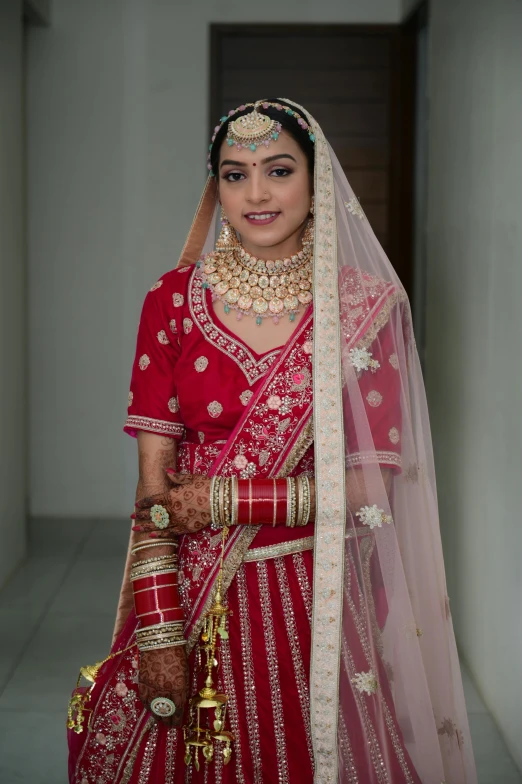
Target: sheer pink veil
[
  {"x": 384, "y": 661},
  {"x": 379, "y": 582}
]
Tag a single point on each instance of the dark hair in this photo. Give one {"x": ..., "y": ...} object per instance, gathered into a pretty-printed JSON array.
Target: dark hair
[{"x": 288, "y": 123}]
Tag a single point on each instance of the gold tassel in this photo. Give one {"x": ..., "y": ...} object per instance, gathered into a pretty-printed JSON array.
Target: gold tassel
[
  {"x": 208, "y": 698},
  {"x": 79, "y": 699}
]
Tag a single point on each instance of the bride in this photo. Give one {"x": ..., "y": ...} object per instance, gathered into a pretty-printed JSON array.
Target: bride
[{"x": 283, "y": 614}]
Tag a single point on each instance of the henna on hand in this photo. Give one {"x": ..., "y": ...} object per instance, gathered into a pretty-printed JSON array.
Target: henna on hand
[
  {"x": 187, "y": 503},
  {"x": 165, "y": 673}
]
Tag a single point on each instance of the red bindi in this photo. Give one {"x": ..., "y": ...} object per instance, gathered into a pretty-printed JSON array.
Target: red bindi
[{"x": 254, "y": 164}]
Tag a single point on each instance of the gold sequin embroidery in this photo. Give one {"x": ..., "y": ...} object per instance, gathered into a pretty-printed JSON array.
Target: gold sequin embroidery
[
  {"x": 214, "y": 409},
  {"x": 201, "y": 364},
  {"x": 394, "y": 436},
  {"x": 374, "y": 398}
]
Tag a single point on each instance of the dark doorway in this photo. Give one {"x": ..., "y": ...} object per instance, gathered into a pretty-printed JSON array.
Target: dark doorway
[{"x": 358, "y": 81}]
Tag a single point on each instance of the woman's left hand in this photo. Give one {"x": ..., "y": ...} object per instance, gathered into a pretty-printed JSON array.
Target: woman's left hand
[{"x": 187, "y": 505}]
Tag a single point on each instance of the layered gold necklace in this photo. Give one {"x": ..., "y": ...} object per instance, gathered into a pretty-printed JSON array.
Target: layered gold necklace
[{"x": 255, "y": 287}]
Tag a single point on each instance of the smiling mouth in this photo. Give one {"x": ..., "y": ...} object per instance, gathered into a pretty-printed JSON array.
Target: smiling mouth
[{"x": 261, "y": 217}]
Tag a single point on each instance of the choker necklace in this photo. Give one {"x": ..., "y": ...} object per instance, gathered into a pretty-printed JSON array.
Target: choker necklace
[{"x": 254, "y": 287}]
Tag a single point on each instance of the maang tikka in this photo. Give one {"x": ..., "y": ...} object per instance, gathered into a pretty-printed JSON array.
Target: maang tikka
[{"x": 255, "y": 128}]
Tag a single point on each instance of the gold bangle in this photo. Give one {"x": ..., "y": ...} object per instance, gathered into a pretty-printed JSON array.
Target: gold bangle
[
  {"x": 152, "y": 543},
  {"x": 234, "y": 500},
  {"x": 274, "y": 490},
  {"x": 221, "y": 501},
  {"x": 161, "y": 638},
  {"x": 307, "y": 500},
  {"x": 290, "y": 502},
  {"x": 151, "y": 567},
  {"x": 160, "y": 628},
  {"x": 226, "y": 501},
  {"x": 299, "y": 497},
  {"x": 155, "y": 647},
  {"x": 215, "y": 501},
  {"x": 213, "y": 521},
  {"x": 170, "y": 569},
  {"x": 157, "y": 559}
]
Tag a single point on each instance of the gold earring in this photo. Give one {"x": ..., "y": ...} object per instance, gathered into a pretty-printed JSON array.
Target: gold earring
[
  {"x": 308, "y": 236},
  {"x": 227, "y": 239}
]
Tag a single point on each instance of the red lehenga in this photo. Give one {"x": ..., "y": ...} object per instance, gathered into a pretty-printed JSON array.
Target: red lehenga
[
  {"x": 341, "y": 664},
  {"x": 195, "y": 381}
]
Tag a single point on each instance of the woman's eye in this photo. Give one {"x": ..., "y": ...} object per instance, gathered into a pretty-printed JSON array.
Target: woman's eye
[
  {"x": 280, "y": 172},
  {"x": 233, "y": 176}
]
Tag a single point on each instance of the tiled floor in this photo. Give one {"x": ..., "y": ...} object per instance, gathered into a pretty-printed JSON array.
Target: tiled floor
[{"x": 56, "y": 614}]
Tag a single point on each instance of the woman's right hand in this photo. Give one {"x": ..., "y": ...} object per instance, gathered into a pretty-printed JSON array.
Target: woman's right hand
[
  {"x": 187, "y": 503},
  {"x": 164, "y": 673}
]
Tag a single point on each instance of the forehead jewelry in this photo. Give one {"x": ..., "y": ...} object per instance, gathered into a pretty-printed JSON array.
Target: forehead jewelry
[{"x": 255, "y": 128}]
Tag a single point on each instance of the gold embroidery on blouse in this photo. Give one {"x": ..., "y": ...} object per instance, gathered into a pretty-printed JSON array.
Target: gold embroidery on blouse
[
  {"x": 245, "y": 396},
  {"x": 156, "y": 285},
  {"x": 173, "y": 327},
  {"x": 394, "y": 436},
  {"x": 374, "y": 398},
  {"x": 236, "y": 350},
  {"x": 155, "y": 425},
  {"x": 178, "y": 300},
  {"x": 187, "y": 325},
  {"x": 214, "y": 409},
  {"x": 130, "y": 398},
  {"x": 394, "y": 361},
  {"x": 201, "y": 436},
  {"x": 162, "y": 338},
  {"x": 174, "y": 405},
  {"x": 144, "y": 362},
  {"x": 201, "y": 364}
]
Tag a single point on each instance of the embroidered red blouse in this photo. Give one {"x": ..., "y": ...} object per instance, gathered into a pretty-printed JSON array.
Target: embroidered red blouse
[{"x": 192, "y": 377}]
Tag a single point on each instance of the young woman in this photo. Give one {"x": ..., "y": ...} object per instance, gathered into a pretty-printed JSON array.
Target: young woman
[{"x": 279, "y": 409}]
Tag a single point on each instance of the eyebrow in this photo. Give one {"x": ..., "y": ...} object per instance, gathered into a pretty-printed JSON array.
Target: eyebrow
[{"x": 270, "y": 158}]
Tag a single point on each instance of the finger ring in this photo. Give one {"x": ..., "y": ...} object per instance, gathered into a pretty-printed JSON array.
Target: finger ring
[
  {"x": 159, "y": 516},
  {"x": 163, "y": 707}
]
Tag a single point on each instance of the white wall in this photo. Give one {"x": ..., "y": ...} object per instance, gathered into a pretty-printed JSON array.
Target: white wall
[
  {"x": 474, "y": 334},
  {"x": 13, "y": 307},
  {"x": 118, "y": 101}
]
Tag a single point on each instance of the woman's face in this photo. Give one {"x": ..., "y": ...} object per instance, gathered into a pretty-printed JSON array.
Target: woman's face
[{"x": 266, "y": 195}]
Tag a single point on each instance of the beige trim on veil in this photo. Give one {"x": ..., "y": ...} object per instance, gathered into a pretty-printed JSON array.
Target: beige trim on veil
[{"x": 329, "y": 473}]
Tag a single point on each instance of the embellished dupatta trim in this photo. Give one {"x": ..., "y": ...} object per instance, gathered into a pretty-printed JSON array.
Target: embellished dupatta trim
[
  {"x": 343, "y": 321},
  {"x": 269, "y": 441}
]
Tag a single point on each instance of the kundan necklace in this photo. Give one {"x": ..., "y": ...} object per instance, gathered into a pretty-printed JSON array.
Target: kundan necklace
[
  {"x": 255, "y": 287},
  {"x": 264, "y": 289}
]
